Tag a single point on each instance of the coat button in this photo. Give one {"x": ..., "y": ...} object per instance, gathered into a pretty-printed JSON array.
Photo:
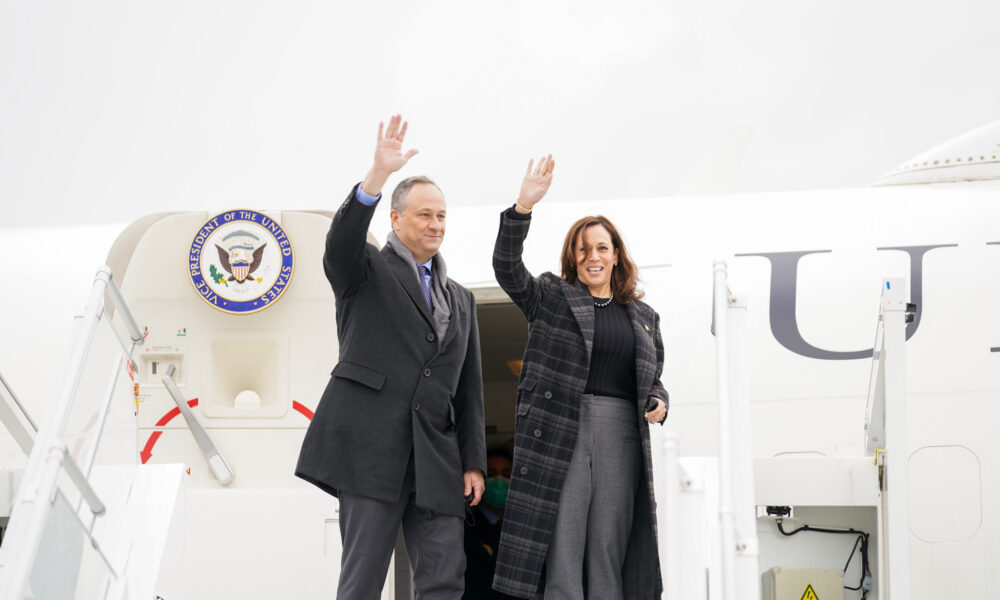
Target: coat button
[
  {"x": 427, "y": 372},
  {"x": 548, "y": 395},
  {"x": 538, "y": 433},
  {"x": 430, "y": 337},
  {"x": 524, "y": 470},
  {"x": 416, "y": 405}
]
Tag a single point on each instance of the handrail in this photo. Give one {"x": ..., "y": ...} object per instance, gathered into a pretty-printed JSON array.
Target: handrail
[
  {"x": 216, "y": 462},
  {"x": 16, "y": 418},
  {"x": 672, "y": 500},
  {"x": 60, "y": 453},
  {"x": 891, "y": 304},
  {"x": 50, "y": 455},
  {"x": 875, "y": 406},
  {"x": 886, "y": 435},
  {"x": 126, "y": 315},
  {"x": 14, "y": 397},
  {"x": 737, "y": 519},
  {"x": 727, "y": 521}
]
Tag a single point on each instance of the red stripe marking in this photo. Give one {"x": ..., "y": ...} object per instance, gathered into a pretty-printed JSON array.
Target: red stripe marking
[
  {"x": 302, "y": 409},
  {"x": 173, "y": 412},
  {"x": 147, "y": 451}
]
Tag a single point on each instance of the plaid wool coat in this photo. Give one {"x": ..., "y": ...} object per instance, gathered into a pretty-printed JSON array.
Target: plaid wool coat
[{"x": 553, "y": 377}]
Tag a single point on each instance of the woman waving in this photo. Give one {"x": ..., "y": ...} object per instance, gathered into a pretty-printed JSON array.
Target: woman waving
[{"x": 581, "y": 496}]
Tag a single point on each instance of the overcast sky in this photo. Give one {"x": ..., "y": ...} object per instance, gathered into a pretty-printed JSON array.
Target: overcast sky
[{"x": 114, "y": 109}]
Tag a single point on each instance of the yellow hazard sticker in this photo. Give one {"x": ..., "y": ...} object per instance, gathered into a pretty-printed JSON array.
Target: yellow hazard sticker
[{"x": 809, "y": 594}]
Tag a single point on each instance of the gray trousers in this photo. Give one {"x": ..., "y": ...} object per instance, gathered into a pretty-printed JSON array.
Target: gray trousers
[
  {"x": 368, "y": 529},
  {"x": 596, "y": 504}
]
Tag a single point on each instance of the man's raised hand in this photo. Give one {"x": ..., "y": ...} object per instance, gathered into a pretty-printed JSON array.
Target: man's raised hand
[
  {"x": 389, "y": 156},
  {"x": 536, "y": 182}
]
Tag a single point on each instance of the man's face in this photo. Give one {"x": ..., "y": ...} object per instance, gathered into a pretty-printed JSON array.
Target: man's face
[
  {"x": 498, "y": 466},
  {"x": 420, "y": 225}
]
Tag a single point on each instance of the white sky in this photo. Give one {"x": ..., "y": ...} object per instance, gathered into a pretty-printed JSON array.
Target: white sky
[{"x": 114, "y": 109}]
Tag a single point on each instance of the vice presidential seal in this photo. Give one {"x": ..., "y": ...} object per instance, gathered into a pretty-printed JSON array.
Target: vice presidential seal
[{"x": 240, "y": 261}]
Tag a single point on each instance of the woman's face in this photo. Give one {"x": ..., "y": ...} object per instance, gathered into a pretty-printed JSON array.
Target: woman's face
[{"x": 595, "y": 258}]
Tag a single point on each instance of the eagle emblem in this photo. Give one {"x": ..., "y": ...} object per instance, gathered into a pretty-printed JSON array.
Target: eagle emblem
[{"x": 240, "y": 258}]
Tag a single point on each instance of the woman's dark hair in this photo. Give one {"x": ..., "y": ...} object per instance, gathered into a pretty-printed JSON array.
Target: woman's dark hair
[{"x": 624, "y": 276}]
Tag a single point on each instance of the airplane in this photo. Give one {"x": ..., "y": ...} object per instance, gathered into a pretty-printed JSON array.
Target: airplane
[{"x": 184, "y": 402}]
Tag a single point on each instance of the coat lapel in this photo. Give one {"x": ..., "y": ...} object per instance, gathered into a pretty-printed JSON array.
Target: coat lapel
[
  {"x": 582, "y": 304},
  {"x": 408, "y": 279},
  {"x": 645, "y": 352},
  {"x": 454, "y": 301}
]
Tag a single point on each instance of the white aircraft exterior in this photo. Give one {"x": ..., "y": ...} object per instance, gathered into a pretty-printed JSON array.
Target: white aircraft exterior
[{"x": 809, "y": 266}]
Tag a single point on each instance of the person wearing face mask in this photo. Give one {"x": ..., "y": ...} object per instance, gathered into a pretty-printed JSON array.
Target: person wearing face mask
[
  {"x": 579, "y": 520},
  {"x": 498, "y": 466},
  {"x": 482, "y": 529}
]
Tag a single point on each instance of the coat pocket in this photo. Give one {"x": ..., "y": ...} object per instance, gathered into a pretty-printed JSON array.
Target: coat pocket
[
  {"x": 524, "y": 387},
  {"x": 360, "y": 374}
]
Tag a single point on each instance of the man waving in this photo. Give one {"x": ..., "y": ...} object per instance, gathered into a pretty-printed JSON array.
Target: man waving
[{"x": 398, "y": 435}]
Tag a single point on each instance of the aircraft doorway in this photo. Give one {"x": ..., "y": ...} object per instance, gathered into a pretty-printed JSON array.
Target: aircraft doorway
[{"x": 503, "y": 334}]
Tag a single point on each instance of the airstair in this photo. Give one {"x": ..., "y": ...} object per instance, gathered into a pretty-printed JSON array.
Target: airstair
[
  {"x": 709, "y": 542},
  {"x": 886, "y": 438},
  {"x": 88, "y": 520},
  {"x": 715, "y": 509}
]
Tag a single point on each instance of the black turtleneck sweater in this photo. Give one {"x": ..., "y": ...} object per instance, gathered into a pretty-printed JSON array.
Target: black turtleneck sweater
[{"x": 612, "y": 361}]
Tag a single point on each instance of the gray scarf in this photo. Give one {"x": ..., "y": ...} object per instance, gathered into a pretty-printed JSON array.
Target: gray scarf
[{"x": 439, "y": 283}]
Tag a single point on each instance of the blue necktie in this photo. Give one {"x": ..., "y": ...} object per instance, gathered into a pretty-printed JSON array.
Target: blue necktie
[{"x": 425, "y": 285}]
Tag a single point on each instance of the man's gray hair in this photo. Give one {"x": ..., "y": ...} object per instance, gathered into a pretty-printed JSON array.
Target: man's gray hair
[{"x": 402, "y": 191}]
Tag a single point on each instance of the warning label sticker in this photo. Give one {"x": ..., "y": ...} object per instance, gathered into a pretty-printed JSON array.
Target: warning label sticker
[{"x": 809, "y": 594}]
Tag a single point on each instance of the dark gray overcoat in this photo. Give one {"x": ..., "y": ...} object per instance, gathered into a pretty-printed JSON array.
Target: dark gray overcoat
[
  {"x": 553, "y": 376},
  {"x": 396, "y": 388}
]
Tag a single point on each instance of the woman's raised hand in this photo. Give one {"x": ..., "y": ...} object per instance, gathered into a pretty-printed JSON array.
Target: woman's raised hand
[{"x": 536, "y": 182}]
